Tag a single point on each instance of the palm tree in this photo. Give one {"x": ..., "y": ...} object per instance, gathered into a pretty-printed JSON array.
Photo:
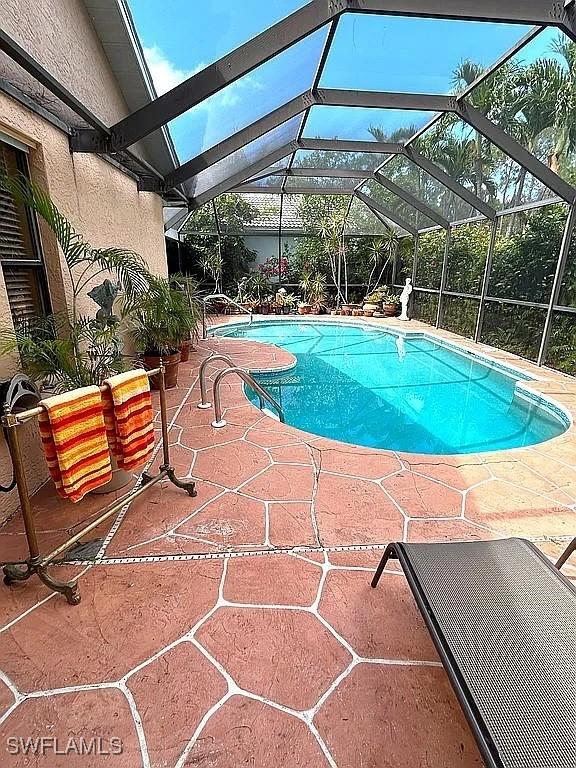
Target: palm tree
[
  {"x": 565, "y": 122},
  {"x": 397, "y": 136},
  {"x": 539, "y": 86},
  {"x": 383, "y": 252},
  {"x": 495, "y": 96},
  {"x": 331, "y": 231}
]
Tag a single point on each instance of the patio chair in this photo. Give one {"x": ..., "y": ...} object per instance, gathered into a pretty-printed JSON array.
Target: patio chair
[{"x": 503, "y": 620}]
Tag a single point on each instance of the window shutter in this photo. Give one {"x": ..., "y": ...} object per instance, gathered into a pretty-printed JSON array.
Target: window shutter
[
  {"x": 14, "y": 238},
  {"x": 22, "y": 282},
  {"x": 22, "y": 289}
]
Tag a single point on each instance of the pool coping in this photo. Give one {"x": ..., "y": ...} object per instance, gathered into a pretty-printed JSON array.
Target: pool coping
[{"x": 523, "y": 379}]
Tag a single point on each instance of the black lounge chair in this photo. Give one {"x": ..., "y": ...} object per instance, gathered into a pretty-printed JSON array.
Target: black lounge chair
[{"x": 503, "y": 620}]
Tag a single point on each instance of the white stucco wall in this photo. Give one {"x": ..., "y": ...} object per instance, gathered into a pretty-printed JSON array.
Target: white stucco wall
[{"x": 266, "y": 246}]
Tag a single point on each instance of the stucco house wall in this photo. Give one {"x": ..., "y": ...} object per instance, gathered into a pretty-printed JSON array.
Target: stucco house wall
[{"x": 101, "y": 201}]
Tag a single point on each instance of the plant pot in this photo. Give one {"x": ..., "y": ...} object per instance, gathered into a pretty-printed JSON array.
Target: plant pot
[
  {"x": 357, "y": 313},
  {"x": 278, "y": 310},
  {"x": 285, "y": 310},
  {"x": 368, "y": 313},
  {"x": 390, "y": 310},
  {"x": 264, "y": 309},
  {"x": 171, "y": 364},
  {"x": 120, "y": 478},
  {"x": 185, "y": 351},
  {"x": 304, "y": 309},
  {"x": 370, "y": 307}
]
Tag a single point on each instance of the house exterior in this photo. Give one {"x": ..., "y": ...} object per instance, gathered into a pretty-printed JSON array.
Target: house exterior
[{"x": 92, "y": 50}]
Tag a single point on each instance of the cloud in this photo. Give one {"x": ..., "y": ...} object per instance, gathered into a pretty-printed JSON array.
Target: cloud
[{"x": 165, "y": 74}]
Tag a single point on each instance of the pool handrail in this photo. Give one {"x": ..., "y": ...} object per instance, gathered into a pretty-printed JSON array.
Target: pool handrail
[
  {"x": 248, "y": 379},
  {"x": 222, "y": 297},
  {"x": 212, "y": 359}
]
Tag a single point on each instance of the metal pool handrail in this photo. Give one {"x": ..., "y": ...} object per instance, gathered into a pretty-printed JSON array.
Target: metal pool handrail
[
  {"x": 203, "y": 402},
  {"x": 248, "y": 379},
  {"x": 226, "y": 298}
]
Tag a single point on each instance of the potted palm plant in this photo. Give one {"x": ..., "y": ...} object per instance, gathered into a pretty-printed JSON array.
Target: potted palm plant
[
  {"x": 289, "y": 302},
  {"x": 373, "y": 301},
  {"x": 317, "y": 292},
  {"x": 160, "y": 322},
  {"x": 189, "y": 287},
  {"x": 304, "y": 306},
  {"x": 261, "y": 290}
]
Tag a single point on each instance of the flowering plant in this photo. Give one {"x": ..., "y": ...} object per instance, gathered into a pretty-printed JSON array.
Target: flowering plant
[{"x": 274, "y": 267}]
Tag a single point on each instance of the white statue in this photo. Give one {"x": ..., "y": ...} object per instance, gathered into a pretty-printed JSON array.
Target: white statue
[{"x": 405, "y": 298}]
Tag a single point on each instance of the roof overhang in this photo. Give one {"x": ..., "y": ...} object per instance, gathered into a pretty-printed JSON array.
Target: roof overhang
[{"x": 115, "y": 29}]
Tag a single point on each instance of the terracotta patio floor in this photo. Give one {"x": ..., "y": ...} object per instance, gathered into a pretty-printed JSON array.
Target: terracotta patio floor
[{"x": 238, "y": 628}]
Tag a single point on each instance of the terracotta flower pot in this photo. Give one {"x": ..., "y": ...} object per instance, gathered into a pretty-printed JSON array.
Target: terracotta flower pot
[
  {"x": 120, "y": 478},
  {"x": 171, "y": 364},
  {"x": 390, "y": 310},
  {"x": 185, "y": 351}
]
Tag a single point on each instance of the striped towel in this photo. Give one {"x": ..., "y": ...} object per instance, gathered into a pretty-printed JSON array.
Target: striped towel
[
  {"x": 128, "y": 415},
  {"x": 74, "y": 442}
]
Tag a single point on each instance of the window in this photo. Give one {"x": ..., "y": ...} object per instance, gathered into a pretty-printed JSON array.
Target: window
[{"x": 20, "y": 254}]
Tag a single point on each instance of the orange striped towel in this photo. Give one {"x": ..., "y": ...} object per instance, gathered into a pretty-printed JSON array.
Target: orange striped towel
[
  {"x": 128, "y": 415},
  {"x": 74, "y": 442}
]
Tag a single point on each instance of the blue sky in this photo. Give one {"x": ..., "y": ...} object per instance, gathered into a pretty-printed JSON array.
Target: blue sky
[{"x": 382, "y": 53}]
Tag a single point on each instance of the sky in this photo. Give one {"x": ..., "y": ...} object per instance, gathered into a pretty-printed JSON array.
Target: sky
[{"x": 369, "y": 52}]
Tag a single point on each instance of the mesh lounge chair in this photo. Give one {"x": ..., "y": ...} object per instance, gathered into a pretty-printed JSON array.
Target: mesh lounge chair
[{"x": 503, "y": 619}]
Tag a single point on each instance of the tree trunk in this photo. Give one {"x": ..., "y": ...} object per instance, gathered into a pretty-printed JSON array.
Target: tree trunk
[
  {"x": 554, "y": 162},
  {"x": 478, "y": 165}
]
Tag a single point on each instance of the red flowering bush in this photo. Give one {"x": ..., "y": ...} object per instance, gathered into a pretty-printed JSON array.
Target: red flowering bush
[{"x": 274, "y": 267}]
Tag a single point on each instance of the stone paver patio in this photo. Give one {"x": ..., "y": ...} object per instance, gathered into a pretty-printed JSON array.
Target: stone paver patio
[{"x": 238, "y": 627}]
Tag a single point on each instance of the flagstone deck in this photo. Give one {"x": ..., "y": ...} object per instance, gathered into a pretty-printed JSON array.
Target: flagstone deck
[{"x": 238, "y": 627}]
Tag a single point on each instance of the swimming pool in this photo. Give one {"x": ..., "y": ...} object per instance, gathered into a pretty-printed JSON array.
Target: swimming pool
[{"x": 412, "y": 393}]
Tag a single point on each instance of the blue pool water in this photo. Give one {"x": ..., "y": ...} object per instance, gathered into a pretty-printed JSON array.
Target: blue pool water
[{"x": 372, "y": 388}]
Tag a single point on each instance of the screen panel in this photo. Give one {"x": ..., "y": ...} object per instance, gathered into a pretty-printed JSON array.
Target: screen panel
[
  {"x": 479, "y": 165},
  {"x": 528, "y": 97},
  {"x": 516, "y": 329},
  {"x": 361, "y": 220},
  {"x": 314, "y": 158},
  {"x": 320, "y": 183},
  {"x": 219, "y": 27},
  {"x": 396, "y": 205},
  {"x": 426, "y": 188},
  {"x": 411, "y": 55},
  {"x": 526, "y": 254},
  {"x": 249, "y": 98},
  {"x": 243, "y": 158},
  {"x": 363, "y": 123}
]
